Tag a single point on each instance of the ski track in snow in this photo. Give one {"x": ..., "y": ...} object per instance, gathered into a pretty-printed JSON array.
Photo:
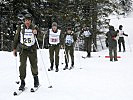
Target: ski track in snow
[{"x": 93, "y": 78}]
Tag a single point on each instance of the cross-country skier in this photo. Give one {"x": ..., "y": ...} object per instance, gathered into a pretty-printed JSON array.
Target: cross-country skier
[
  {"x": 25, "y": 38},
  {"x": 112, "y": 42},
  {"x": 121, "y": 38},
  {"x": 87, "y": 34},
  {"x": 54, "y": 37},
  {"x": 69, "y": 43}
]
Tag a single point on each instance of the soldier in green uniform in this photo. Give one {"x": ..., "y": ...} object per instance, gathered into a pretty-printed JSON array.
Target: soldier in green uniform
[
  {"x": 54, "y": 39},
  {"x": 25, "y": 38},
  {"x": 69, "y": 42},
  {"x": 112, "y": 42},
  {"x": 87, "y": 34}
]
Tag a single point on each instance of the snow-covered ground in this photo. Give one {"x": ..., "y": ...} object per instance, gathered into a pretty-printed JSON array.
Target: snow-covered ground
[{"x": 93, "y": 78}]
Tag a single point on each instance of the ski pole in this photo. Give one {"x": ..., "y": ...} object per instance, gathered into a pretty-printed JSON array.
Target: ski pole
[
  {"x": 66, "y": 56},
  {"x": 94, "y": 47},
  {"x": 62, "y": 56},
  {"x": 50, "y": 86},
  {"x": 17, "y": 82},
  {"x": 43, "y": 41},
  {"x": 101, "y": 42}
]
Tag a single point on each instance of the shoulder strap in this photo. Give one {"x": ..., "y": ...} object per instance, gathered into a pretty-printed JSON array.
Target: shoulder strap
[{"x": 23, "y": 31}]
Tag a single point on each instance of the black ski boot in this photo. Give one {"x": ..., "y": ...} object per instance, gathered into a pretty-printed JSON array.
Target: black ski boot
[
  {"x": 36, "y": 81},
  {"x": 57, "y": 69},
  {"x": 111, "y": 60},
  {"x": 51, "y": 67},
  {"x": 66, "y": 67},
  {"x": 72, "y": 66},
  {"x": 22, "y": 86},
  {"x": 89, "y": 55}
]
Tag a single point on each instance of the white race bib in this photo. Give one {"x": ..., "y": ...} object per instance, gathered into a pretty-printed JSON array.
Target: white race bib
[
  {"x": 69, "y": 40},
  {"x": 87, "y": 33},
  {"x": 27, "y": 38},
  {"x": 121, "y": 33},
  {"x": 54, "y": 38}
]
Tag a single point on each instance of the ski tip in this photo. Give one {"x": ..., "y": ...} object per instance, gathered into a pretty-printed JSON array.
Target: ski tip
[
  {"x": 50, "y": 86},
  {"x": 15, "y": 93},
  {"x": 17, "y": 82}
]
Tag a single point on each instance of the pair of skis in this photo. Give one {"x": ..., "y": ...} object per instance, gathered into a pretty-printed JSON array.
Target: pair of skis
[{"x": 18, "y": 92}]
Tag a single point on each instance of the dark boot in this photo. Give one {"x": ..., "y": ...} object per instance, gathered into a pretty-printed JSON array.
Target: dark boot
[
  {"x": 22, "y": 86},
  {"x": 116, "y": 60},
  {"x": 89, "y": 54},
  {"x": 51, "y": 67},
  {"x": 72, "y": 66},
  {"x": 57, "y": 69},
  {"x": 66, "y": 67},
  {"x": 111, "y": 60},
  {"x": 36, "y": 81}
]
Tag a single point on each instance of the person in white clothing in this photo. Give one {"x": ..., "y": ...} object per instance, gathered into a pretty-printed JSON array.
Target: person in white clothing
[
  {"x": 54, "y": 40},
  {"x": 121, "y": 40}
]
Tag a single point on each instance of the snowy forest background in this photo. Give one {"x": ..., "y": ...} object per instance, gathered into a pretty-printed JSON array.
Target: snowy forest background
[{"x": 77, "y": 13}]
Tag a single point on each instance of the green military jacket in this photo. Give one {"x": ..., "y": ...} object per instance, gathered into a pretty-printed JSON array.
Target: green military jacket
[
  {"x": 73, "y": 36},
  {"x": 111, "y": 35},
  {"x": 21, "y": 28}
]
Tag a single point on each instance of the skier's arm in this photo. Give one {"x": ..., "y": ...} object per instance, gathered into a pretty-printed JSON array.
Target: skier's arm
[
  {"x": 74, "y": 37},
  {"x": 16, "y": 38},
  {"x": 125, "y": 34},
  {"x": 38, "y": 33},
  {"x": 62, "y": 39},
  {"x": 81, "y": 33}
]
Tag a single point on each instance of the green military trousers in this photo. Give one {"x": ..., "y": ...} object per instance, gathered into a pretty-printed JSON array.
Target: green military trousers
[
  {"x": 54, "y": 50},
  {"x": 113, "y": 53},
  {"x": 88, "y": 42},
  {"x": 32, "y": 55},
  {"x": 69, "y": 50}
]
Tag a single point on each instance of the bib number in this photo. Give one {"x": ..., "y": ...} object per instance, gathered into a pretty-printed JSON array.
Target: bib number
[
  {"x": 69, "y": 40},
  {"x": 54, "y": 40},
  {"x": 27, "y": 40}
]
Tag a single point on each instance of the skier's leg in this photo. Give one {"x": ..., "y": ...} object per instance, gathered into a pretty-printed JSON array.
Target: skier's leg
[
  {"x": 86, "y": 45},
  {"x": 51, "y": 53},
  {"x": 89, "y": 46},
  {"x": 110, "y": 54},
  {"x": 115, "y": 54},
  {"x": 123, "y": 44},
  {"x": 33, "y": 61},
  {"x": 34, "y": 68},
  {"x": 57, "y": 49},
  {"x": 72, "y": 55},
  {"x": 22, "y": 68},
  {"x": 66, "y": 57},
  {"x": 119, "y": 43}
]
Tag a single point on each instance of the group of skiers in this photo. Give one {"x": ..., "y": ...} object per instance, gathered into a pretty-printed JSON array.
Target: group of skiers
[
  {"x": 112, "y": 38},
  {"x": 26, "y": 38},
  {"x": 27, "y": 35}
]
